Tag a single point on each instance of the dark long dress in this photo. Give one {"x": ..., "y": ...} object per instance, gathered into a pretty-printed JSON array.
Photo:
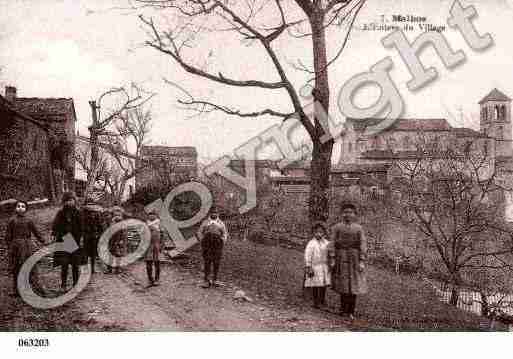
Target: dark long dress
[
  {"x": 19, "y": 240},
  {"x": 92, "y": 226},
  {"x": 67, "y": 221},
  {"x": 350, "y": 249}
]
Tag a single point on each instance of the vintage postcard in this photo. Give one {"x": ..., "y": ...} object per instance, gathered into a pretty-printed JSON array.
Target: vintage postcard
[{"x": 255, "y": 166}]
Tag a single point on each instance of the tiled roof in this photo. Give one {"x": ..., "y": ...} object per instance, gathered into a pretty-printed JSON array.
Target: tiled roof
[
  {"x": 8, "y": 106},
  {"x": 302, "y": 165},
  {"x": 404, "y": 124},
  {"x": 291, "y": 179},
  {"x": 378, "y": 154},
  {"x": 173, "y": 151},
  {"x": 495, "y": 95},
  {"x": 258, "y": 163},
  {"x": 361, "y": 168},
  {"x": 504, "y": 159},
  {"x": 467, "y": 132},
  {"x": 46, "y": 109},
  {"x": 400, "y": 155},
  {"x": 344, "y": 182}
]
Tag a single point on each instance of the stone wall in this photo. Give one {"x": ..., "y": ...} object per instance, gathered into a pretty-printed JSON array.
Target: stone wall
[
  {"x": 24, "y": 159},
  {"x": 162, "y": 164}
]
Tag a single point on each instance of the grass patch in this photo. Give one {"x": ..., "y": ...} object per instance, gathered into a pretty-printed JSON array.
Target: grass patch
[{"x": 399, "y": 302}]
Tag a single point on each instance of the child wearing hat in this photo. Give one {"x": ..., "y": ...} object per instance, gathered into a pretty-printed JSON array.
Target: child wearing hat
[
  {"x": 67, "y": 222},
  {"x": 317, "y": 267}
]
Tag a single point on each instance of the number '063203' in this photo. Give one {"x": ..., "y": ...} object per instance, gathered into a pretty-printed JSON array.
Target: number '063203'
[{"x": 33, "y": 342}]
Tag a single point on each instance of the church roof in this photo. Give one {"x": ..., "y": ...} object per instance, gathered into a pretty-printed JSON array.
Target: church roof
[
  {"x": 360, "y": 168},
  {"x": 467, "y": 132},
  {"x": 404, "y": 155},
  {"x": 495, "y": 95},
  {"x": 155, "y": 150},
  {"x": 404, "y": 124}
]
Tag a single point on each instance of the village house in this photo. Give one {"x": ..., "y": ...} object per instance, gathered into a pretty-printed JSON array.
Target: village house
[
  {"x": 41, "y": 134},
  {"x": 163, "y": 165},
  {"x": 25, "y": 165},
  {"x": 58, "y": 116}
]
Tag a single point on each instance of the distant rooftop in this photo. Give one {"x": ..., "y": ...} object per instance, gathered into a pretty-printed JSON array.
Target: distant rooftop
[
  {"x": 46, "y": 109},
  {"x": 401, "y": 155},
  {"x": 403, "y": 124},
  {"x": 173, "y": 151},
  {"x": 495, "y": 95}
]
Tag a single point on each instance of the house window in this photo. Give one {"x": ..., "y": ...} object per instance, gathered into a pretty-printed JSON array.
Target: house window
[
  {"x": 467, "y": 148},
  {"x": 350, "y": 147},
  {"x": 406, "y": 142},
  {"x": 500, "y": 133},
  {"x": 375, "y": 143},
  {"x": 484, "y": 114},
  {"x": 18, "y": 146},
  {"x": 391, "y": 144},
  {"x": 503, "y": 113},
  {"x": 497, "y": 113}
]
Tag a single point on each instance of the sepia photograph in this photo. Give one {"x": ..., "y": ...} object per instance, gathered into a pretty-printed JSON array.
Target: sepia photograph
[{"x": 255, "y": 166}]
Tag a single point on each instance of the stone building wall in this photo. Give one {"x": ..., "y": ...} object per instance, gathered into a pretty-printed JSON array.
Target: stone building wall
[
  {"x": 24, "y": 158},
  {"x": 162, "y": 164}
]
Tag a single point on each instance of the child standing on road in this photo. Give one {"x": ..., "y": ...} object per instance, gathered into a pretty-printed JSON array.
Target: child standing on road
[
  {"x": 118, "y": 242},
  {"x": 317, "y": 264},
  {"x": 153, "y": 254},
  {"x": 18, "y": 237},
  {"x": 212, "y": 234}
]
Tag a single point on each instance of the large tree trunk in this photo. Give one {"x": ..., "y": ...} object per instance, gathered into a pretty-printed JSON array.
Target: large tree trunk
[
  {"x": 455, "y": 296},
  {"x": 321, "y": 155},
  {"x": 320, "y": 181},
  {"x": 93, "y": 138},
  {"x": 485, "y": 306},
  {"x": 455, "y": 292}
]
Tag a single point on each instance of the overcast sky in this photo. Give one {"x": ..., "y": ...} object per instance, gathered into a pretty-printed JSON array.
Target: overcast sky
[{"x": 79, "y": 48}]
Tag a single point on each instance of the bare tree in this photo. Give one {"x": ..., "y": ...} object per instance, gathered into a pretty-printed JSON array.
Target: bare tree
[
  {"x": 455, "y": 199},
  {"x": 128, "y": 130},
  {"x": 260, "y": 25},
  {"x": 111, "y": 106},
  {"x": 82, "y": 155}
]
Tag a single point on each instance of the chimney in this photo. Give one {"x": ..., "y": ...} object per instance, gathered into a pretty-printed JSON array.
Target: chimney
[{"x": 10, "y": 93}]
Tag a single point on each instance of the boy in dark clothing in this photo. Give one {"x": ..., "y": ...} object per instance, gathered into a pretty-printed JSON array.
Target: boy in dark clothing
[{"x": 212, "y": 234}]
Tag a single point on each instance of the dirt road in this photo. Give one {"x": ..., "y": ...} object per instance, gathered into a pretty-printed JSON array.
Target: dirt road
[
  {"x": 180, "y": 304},
  {"x": 123, "y": 302}
]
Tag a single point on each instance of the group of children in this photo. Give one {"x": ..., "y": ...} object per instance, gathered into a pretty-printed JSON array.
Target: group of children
[
  {"x": 85, "y": 227},
  {"x": 338, "y": 263}
]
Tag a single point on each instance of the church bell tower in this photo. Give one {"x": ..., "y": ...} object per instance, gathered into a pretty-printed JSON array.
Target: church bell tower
[{"x": 495, "y": 121}]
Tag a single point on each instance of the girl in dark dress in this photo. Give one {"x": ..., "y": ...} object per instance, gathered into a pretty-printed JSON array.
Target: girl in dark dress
[
  {"x": 350, "y": 254},
  {"x": 67, "y": 222},
  {"x": 92, "y": 227},
  {"x": 18, "y": 237}
]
